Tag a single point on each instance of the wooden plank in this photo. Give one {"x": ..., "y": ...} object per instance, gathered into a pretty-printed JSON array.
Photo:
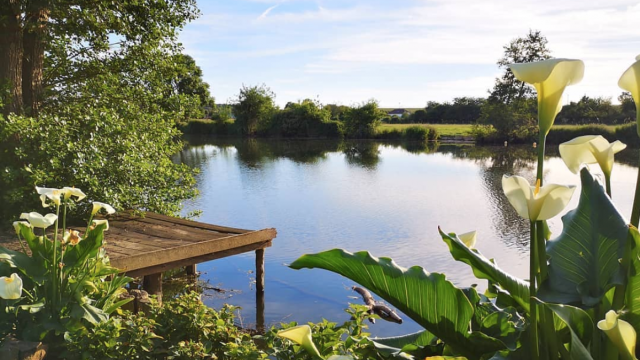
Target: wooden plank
[
  {"x": 197, "y": 224},
  {"x": 196, "y": 259},
  {"x": 179, "y": 229},
  {"x": 165, "y": 232}
]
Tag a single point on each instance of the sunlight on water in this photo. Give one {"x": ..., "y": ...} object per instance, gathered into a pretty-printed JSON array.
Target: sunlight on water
[{"x": 387, "y": 199}]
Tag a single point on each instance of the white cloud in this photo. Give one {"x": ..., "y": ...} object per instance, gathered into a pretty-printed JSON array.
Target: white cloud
[{"x": 327, "y": 39}]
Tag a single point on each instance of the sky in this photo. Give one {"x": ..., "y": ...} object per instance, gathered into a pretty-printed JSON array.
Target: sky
[{"x": 402, "y": 53}]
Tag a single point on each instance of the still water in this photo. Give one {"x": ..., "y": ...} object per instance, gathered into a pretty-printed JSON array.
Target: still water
[{"x": 388, "y": 199}]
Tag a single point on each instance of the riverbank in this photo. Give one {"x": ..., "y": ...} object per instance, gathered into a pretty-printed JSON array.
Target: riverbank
[{"x": 626, "y": 133}]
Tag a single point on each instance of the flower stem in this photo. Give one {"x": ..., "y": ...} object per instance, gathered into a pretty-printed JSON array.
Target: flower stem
[
  {"x": 533, "y": 315},
  {"x": 55, "y": 262}
]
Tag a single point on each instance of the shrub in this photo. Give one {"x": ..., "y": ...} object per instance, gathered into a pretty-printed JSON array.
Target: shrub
[
  {"x": 416, "y": 133},
  {"x": 183, "y": 328},
  {"x": 361, "y": 122},
  {"x": 101, "y": 150}
]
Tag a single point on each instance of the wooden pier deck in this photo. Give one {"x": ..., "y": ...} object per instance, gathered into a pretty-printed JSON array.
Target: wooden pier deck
[{"x": 145, "y": 246}]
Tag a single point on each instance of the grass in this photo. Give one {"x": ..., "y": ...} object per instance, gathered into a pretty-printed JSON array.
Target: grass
[{"x": 443, "y": 129}]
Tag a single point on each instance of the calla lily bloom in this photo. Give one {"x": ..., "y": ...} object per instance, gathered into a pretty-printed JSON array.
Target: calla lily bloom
[
  {"x": 550, "y": 78},
  {"x": 101, "y": 222},
  {"x": 68, "y": 192},
  {"x": 590, "y": 149},
  {"x": 97, "y": 206},
  {"x": 301, "y": 335},
  {"x": 49, "y": 193},
  {"x": 469, "y": 239},
  {"x": 10, "y": 287},
  {"x": 536, "y": 202},
  {"x": 39, "y": 221},
  {"x": 18, "y": 224},
  {"x": 72, "y": 237},
  {"x": 621, "y": 334},
  {"x": 630, "y": 81}
]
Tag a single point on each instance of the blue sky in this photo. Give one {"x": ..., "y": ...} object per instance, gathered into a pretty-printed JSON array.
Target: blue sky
[{"x": 402, "y": 53}]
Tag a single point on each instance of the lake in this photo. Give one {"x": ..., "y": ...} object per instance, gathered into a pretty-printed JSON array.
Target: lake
[{"x": 386, "y": 198}]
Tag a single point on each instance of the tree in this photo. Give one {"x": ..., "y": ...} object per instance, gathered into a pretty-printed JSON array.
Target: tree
[
  {"x": 86, "y": 87},
  {"x": 51, "y": 46},
  {"x": 532, "y": 47},
  {"x": 627, "y": 107},
  {"x": 188, "y": 81},
  {"x": 253, "y": 108},
  {"x": 361, "y": 122}
]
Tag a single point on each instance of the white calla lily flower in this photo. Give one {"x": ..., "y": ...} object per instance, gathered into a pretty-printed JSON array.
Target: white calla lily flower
[
  {"x": 18, "y": 224},
  {"x": 68, "y": 192},
  {"x": 101, "y": 222},
  {"x": 49, "y": 193},
  {"x": 39, "y": 221},
  {"x": 10, "y": 287},
  {"x": 621, "y": 334},
  {"x": 469, "y": 239},
  {"x": 97, "y": 206},
  {"x": 301, "y": 335},
  {"x": 550, "y": 78},
  {"x": 630, "y": 81},
  {"x": 536, "y": 202},
  {"x": 590, "y": 149}
]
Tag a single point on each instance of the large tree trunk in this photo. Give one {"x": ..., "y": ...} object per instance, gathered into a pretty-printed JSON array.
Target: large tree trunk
[
  {"x": 10, "y": 57},
  {"x": 33, "y": 57}
]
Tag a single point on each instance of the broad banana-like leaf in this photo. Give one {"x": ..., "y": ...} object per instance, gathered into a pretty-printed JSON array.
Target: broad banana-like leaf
[
  {"x": 584, "y": 259},
  {"x": 421, "y": 342},
  {"x": 632, "y": 304},
  {"x": 580, "y": 325},
  {"x": 427, "y": 298},
  {"x": 483, "y": 268},
  {"x": 75, "y": 256}
]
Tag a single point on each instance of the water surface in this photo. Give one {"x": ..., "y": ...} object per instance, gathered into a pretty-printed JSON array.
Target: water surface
[{"x": 388, "y": 199}]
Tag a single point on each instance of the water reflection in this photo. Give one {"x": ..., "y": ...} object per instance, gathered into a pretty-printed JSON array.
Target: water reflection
[{"x": 388, "y": 198}]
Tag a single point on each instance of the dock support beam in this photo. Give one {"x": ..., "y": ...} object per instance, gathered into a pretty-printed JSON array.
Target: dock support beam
[
  {"x": 190, "y": 269},
  {"x": 260, "y": 270},
  {"x": 152, "y": 284},
  {"x": 260, "y": 326}
]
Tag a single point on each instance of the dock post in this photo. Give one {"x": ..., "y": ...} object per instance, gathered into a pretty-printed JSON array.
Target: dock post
[
  {"x": 152, "y": 284},
  {"x": 260, "y": 326},
  {"x": 190, "y": 269},
  {"x": 260, "y": 270}
]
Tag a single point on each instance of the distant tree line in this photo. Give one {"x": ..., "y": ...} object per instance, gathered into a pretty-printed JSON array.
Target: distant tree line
[{"x": 256, "y": 114}]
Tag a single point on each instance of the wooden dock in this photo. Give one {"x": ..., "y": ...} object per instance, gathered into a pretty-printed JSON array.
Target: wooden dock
[{"x": 145, "y": 246}]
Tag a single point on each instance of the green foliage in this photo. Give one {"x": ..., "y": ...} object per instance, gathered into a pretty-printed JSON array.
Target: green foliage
[
  {"x": 305, "y": 119},
  {"x": 183, "y": 328},
  {"x": 188, "y": 81},
  {"x": 420, "y": 133},
  {"x": 253, "y": 109},
  {"x": 99, "y": 149},
  {"x": 514, "y": 122},
  {"x": 361, "y": 122},
  {"x": 428, "y": 298},
  {"x": 205, "y": 127},
  {"x": 583, "y": 263},
  {"x": 597, "y": 110},
  {"x": 66, "y": 285}
]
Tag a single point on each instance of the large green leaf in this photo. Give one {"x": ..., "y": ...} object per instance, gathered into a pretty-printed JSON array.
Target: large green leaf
[
  {"x": 427, "y": 298},
  {"x": 632, "y": 303},
  {"x": 33, "y": 268},
  {"x": 483, "y": 268},
  {"x": 584, "y": 259},
  {"x": 580, "y": 325}
]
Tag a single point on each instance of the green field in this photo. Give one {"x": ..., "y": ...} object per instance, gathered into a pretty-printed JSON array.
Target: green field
[{"x": 443, "y": 129}]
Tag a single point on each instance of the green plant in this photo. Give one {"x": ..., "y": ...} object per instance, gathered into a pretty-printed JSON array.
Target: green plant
[
  {"x": 182, "y": 328},
  {"x": 361, "y": 122},
  {"x": 63, "y": 275},
  {"x": 586, "y": 276}
]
